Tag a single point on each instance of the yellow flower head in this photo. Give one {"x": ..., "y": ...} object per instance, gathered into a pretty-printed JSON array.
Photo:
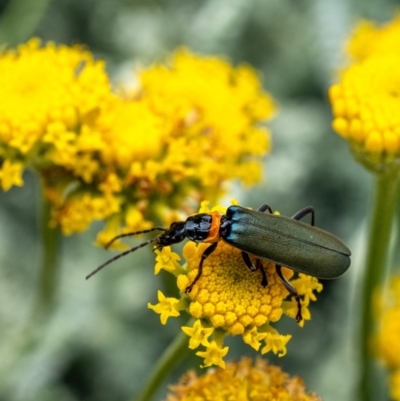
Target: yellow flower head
[
  {"x": 368, "y": 39},
  {"x": 242, "y": 381},
  {"x": 130, "y": 159},
  {"x": 387, "y": 339},
  {"x": 366, "y": 100},
  {"x": 229, "y": 299},
  {"x": 365, "y": 106},
  {"x": 45, "y": 92}
]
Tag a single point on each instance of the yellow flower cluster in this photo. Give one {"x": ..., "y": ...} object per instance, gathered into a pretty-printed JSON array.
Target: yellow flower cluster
[
  {"x": 387, "y": 340},
  {"x": 229, "y": 300},
  {"x": 128, "y": 157},
  {"x": 366, "y": 100},
  {"x": 243, "y": 380},
  {"x": 369, "y": 39}
]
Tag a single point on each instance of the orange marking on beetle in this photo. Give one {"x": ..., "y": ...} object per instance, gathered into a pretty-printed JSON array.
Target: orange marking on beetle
[{"x": 213, "y": 236}]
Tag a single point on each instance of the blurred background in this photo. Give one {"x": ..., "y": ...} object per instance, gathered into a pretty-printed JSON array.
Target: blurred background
[{"x": 101, "y": 341}]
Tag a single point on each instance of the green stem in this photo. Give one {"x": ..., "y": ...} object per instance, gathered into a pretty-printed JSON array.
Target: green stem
[
  {"x": 383, "y": 215},
  {"x": 48, "y": 274},
  {"x": 169, "y": 359},
  {"x": 20, "y": 20}
]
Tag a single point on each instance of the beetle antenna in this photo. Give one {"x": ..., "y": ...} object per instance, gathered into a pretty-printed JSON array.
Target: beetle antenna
[
  {"x": 134, "y": 233},
  {"x": 150, "y": 241}
]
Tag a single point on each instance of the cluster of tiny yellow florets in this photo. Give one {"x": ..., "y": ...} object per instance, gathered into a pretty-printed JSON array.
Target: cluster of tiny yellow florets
[
  {"x": 366, "y": 100},
  {"x": 387, "y": 340},
  {"x": 229, "y": 299},
  {"x": 244, "y": 381},
  {"x": 368, "y": 39},
  {"x": 134, "y": 156}
]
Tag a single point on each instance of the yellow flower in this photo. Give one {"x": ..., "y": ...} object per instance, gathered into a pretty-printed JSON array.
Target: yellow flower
[
  {"x": 207, "y": 96},
  {"x": 229, "y": 299},
  {"x": 198, "y": 334},
  {"x": 387, "y": 310},
  {"x": 369, "y": 39},
  {"x": 366, "y": 99},
  {"x": 213, "y": 355},
  {"x": 46, "y": 87},
  {"x": 77, "y": 213},
  {"x": 387, "y": 339},
  {"x": 365, "y": 106},
  {"x": 242, "y": 381},
  {"x": 105, "y": 236},
  {"x": 275, "y": 343},
  {"x": 253, "y": 338},
  {"x": 192, "y": 125},
  {"x": 167, "y": 260},
  {"x": 10, "y": 174},
  {"x": 166, "y": 307}
]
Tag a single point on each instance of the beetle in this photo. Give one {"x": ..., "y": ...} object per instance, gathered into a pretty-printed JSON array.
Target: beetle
[{"x": 279, "y": 239}]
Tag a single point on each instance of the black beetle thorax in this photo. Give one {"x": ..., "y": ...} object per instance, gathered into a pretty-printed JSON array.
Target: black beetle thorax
[
  {"x": 198, "y": 227},
  {"x": 225, "y": 226}
]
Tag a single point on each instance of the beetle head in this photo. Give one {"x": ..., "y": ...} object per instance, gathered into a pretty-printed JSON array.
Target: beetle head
[{"x": 176, "y": 233}]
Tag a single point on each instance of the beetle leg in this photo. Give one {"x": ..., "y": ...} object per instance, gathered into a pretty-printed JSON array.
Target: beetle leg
[
  {"x": 304, "y": 212},
  {"x": 258, "y": 266},
  {"x": 248, "y": 262},
  {"x": 265, "y": 207},
  {"x": 204, "y": 256},
  {"x": 291, "y": 290},
  {"x": 264, "y": 281}
]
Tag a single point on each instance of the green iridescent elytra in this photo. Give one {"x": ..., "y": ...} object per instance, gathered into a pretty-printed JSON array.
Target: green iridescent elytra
[{"x": 288, "y": 242}]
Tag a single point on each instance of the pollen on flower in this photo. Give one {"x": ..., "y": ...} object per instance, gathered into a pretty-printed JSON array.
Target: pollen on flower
[{"x": 243, "y": 380}]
